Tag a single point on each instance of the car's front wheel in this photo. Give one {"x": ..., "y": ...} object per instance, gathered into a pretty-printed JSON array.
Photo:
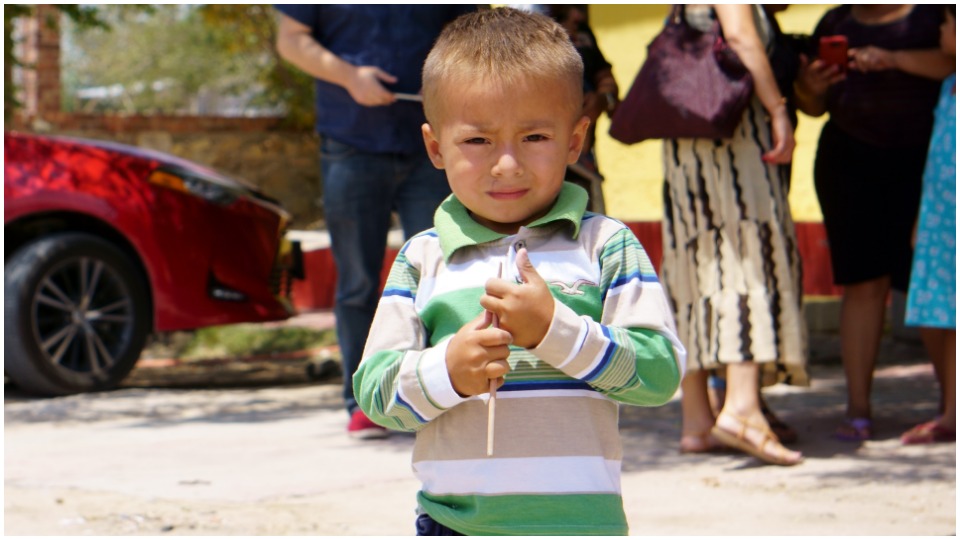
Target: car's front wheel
[{"x": 76, "y": 315}]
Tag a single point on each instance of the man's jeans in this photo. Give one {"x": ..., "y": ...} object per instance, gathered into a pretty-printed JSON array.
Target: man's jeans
[{"x": 359, "y": 192}]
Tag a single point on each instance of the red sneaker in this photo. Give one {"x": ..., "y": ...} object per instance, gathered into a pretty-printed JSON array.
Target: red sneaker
[{"x": 361, "y": 427}]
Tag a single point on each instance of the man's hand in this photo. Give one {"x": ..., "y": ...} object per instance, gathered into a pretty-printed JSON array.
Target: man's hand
[
  {"x": 365, "y": 88},
  {"x": 476, "y": 354},
  {"x": 296, "y": 44},
  {"x": 526, "y": 309}
]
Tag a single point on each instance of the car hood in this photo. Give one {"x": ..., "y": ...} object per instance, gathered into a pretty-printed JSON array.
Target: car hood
[{"x": 171, "y": 161}]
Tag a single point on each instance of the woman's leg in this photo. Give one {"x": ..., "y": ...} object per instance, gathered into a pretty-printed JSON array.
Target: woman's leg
[
  {"x": 933, "y": 342},
  {"x": 942, "y": 346},
  {"x": 861, "y": 327},
  {"x": 717, "y": 389},
  {"x": 697, "y": 417}
]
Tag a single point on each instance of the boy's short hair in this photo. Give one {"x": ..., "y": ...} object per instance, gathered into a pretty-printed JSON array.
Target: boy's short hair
[{"x": 502, "y": 45}]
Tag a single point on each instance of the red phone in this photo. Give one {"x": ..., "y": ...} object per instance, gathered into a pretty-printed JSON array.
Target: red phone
[{"x": 833, "y": 51}]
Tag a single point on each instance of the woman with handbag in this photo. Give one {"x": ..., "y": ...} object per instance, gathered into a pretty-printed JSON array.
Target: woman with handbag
[{"x": 731, "y": 264}]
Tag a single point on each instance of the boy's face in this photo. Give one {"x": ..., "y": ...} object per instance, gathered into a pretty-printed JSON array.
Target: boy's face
[{"x": 505, "y": 148}]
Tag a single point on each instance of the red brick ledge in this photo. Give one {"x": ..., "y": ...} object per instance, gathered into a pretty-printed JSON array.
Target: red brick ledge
[{"x": 317, "y": 291}]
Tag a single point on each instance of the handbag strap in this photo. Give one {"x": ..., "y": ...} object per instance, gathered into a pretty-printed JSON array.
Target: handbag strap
[{"x": 678, "y": 15}]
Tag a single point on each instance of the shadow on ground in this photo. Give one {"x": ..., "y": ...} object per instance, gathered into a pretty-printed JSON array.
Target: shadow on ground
[{"x": 904, "y": 393}]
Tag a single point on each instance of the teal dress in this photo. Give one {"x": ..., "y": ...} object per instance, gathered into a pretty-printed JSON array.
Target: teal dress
[{"x": 932, "y": 296}]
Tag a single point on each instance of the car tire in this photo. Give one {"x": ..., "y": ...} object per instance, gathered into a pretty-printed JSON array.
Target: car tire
[{"x": 76, "y": 315}]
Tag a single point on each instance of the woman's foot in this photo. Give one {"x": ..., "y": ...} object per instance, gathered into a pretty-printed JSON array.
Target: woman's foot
[
  {"x": 929, "y": 432},
  {"x": 854, "y": 430},
  {"x": 700, "y": 443},
  {"x": 753, "y": 436}
]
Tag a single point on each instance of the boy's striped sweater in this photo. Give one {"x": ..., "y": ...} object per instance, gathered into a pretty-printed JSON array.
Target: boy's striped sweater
[{"x": 556, "y": 468}]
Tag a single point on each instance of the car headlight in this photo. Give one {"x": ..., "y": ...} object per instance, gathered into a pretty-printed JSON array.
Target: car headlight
[{"x": 188, "y": 183}]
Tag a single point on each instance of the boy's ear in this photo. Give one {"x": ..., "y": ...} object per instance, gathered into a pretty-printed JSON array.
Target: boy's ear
[
  {"x": 432, "y": 144},
  {"x": 577, "y": 139}
]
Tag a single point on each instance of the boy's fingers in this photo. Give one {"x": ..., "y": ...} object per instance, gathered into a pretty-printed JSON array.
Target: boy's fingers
[
  {"x": 527, "y": 271},
  {"x": 496, "y": 337},
  {"x": 483, "y": 320},
  {"x": 496, "y": 369}
]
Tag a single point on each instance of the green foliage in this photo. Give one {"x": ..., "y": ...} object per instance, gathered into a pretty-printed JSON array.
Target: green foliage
[
  {"x": 83, "y": 16},
  {"x": 148, "y": 65},
  {"x": 170, "y": 59},
  {"x": 11, "y": 13},
  {"x": 250, "y": 31}
]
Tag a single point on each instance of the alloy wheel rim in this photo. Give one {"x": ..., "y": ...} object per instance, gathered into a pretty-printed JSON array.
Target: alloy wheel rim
[{"x": 82, "y": 316}]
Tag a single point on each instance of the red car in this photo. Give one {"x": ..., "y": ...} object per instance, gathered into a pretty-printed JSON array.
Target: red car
[{"x": 107, "y": 243}]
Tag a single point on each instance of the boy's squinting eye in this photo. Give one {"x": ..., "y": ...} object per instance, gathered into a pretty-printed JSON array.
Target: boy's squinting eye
[
  {"x": 475, "y": 140},
  {"x": 536, "y": 137}
]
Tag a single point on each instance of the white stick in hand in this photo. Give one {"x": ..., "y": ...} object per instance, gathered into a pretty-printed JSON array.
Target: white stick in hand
[
  {"x": 408, "y": 97},
  {"x": 491, "y": 415},
  {"x": 492, "y": 402}
]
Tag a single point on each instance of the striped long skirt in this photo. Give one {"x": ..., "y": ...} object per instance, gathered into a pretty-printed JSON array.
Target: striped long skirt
[{"x": 731, "y": 264}]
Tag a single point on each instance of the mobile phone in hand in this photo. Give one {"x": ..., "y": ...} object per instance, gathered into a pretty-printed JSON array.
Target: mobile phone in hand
[{"x": 833, "y": 51}]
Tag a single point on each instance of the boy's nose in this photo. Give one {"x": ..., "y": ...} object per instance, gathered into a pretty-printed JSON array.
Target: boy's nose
[{"x": 507, "y": 164}]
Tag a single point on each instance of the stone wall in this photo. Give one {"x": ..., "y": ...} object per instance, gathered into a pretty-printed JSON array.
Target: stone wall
[{"x": 284, "y": 165}]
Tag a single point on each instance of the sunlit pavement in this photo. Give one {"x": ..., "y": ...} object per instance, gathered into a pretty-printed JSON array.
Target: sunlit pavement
[{"x": 275, "y": 459}]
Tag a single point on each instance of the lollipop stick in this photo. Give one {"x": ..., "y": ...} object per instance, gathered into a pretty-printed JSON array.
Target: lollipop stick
[
  {"x": 491, "y": 415},
  {"x": 492, "y": 402}
]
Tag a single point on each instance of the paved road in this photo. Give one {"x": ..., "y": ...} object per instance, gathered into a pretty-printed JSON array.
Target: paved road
[{"x": 275, "y": 460}]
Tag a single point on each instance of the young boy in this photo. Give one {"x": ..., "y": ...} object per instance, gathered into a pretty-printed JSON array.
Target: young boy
[{"x": 582, "y": 320}]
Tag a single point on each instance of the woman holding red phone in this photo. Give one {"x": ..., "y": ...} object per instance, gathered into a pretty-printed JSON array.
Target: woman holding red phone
[{"x": 869, "y": 166}]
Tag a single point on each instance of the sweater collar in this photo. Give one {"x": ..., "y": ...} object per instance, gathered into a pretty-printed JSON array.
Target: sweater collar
[{"x": 457, "y": 229}]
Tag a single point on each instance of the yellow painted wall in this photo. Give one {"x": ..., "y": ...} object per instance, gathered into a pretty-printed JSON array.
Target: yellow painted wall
[{"x": 634, "y": 174}]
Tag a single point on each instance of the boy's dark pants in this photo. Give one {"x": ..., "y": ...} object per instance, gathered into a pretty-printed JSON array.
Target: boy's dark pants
[{"x": 426, "y": 526}]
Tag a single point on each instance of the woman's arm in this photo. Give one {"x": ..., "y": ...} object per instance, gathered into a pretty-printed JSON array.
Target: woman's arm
[
  {"x": 739, "y": 30},
  {"x": 928, "y": 63}
]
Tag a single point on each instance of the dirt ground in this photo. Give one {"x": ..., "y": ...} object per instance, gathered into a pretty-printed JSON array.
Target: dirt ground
[{"x": 263, "y": 451}]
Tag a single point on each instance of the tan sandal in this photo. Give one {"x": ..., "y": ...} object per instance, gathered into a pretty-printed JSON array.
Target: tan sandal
[{"x": 740, "y": 442}]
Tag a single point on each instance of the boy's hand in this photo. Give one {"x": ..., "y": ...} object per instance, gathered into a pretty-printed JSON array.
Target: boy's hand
[
  {"x": 476, "y": 354},
  {"x": 526, "y": 309}
]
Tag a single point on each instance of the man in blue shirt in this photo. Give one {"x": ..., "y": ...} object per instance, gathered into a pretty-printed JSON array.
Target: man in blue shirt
[{"x": 367, "y": 61}]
